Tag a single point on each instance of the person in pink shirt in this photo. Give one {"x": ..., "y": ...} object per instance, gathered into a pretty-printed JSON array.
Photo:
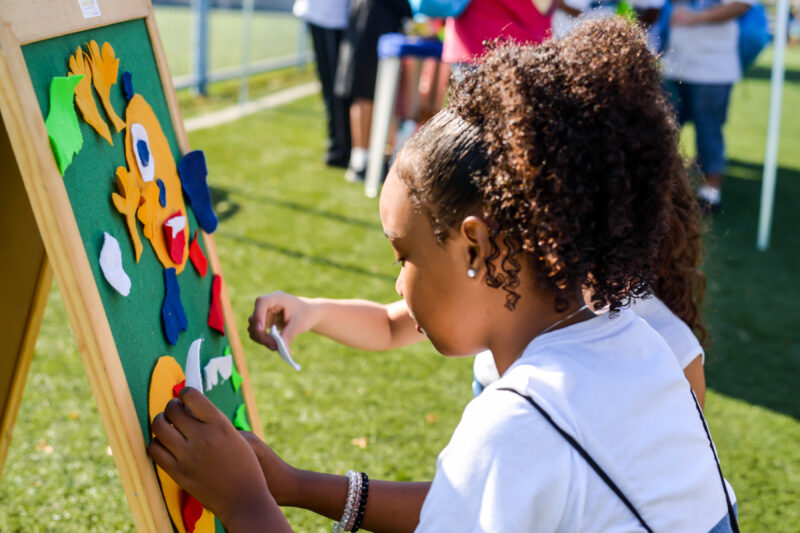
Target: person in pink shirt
[{"x": 524, "y": 21}]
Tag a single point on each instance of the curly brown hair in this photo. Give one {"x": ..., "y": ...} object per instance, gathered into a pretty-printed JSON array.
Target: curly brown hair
[{"x": 570, "y": 150}]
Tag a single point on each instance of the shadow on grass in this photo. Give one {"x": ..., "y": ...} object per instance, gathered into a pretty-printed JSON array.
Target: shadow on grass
[
  {"x": 765, "y": 73},
  {"x": 223, "y": 206},
  {"x": 294, "y": 254},
  {"x": 751, "y": 301},
  {"x": 223, "y": 194}
]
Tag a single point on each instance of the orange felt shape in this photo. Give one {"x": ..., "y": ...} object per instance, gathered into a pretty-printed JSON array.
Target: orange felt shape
[
  {"x": 105, "y": 66},
  {"x": 152, "y": 214},
  {"x": 127, "y": 202},
  {"x": 166, "y": 375},
  {"x": 83, "y": 95}
]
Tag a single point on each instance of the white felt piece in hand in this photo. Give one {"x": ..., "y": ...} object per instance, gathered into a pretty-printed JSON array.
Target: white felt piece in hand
[
  {"x": 176, "y": 224},
  {"x": 193, "y": 377},
  {"x": 218, "y": 367},
  {"x": 111, "y": 265},
  {"x": 282, "y": 348},
  {"x": 138, "y": 133}
]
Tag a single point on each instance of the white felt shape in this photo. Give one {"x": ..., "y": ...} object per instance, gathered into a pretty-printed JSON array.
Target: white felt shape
[
  {"x": 283, "y": 350},
  {"x": 193, "y": 377},
  {"x": 177, "y": 224},
  {"x": 218, "y": 367},
  {"x": 111, "y": 265},
  {"x": 138, "y": 133}
]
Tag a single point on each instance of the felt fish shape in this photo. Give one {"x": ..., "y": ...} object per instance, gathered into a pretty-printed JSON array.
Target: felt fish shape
[
  {"x": 197, "y": 256},
  {"x": 141, "y": 151},
  {"x": 172, "y": 315},
  {"x": 193, "y": 173},
  {"x": 62, "y": 122},
  {"x": 218, "y": 367},
  {"x": 175, "y": 236},
  {"x": 111, "y": 265},
  {"x": 168, "y": 376},
  {"x": 283, "y": 350},
  {"x": 215, "y": 317},
  {"x": 240, "y": 419},
  {"x": 193, "y": 377},
  {"x": 79, "y": 64},
  {"x": 127, "y": 202},
  {"x": 105, "y": 66}
]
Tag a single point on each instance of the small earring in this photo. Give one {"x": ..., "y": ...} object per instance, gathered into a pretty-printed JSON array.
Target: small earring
[{"x": 471, "y": 273}]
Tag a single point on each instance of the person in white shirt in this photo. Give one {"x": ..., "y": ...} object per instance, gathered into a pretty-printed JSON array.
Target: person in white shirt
[{"x": 500, "y": 210}]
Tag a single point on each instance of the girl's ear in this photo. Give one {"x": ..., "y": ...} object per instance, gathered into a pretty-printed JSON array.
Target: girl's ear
[{"x": 475, "y": 233}]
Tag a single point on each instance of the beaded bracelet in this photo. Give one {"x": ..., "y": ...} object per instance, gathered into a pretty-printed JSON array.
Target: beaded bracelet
[
  {"x": 362, "y": 502},
  {"x": 353, "y": 486},
  {"x": 356, "y": 501}
]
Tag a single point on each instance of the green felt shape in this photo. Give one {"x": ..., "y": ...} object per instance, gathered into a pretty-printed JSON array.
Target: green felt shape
[
  {"x": 240, "y": 420},
  {"x": 236, "y": 379},
  {"x": 62, "y": 121}
]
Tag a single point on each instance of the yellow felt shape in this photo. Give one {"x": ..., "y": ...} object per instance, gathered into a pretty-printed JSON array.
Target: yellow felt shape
[
  {"x": 105, "y": 66},
  {"x": 127, "y": 202},
  {"x": 166, "y": 375},
  {"x": 83, "y": 95},
  {"x": 152, "y": 214}
]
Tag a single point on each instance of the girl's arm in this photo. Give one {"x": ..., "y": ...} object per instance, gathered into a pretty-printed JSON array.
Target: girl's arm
[
  {"x": 361, "y": 324},
  {"x": 697, "y": 379},
  {"x": 718, "y": 13}
]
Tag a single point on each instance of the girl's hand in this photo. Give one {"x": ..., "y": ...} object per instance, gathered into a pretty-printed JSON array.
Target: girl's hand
[
  {"x": 202, "y": 451},
  {"x": 282, "y": 478},
  {"x": 292, "y": 314}
]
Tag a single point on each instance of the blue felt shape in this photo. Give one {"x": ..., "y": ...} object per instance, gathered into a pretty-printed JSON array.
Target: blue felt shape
[
  {"x": 172, "y": 314},
  {"x": 127, "y": 85},
  {"x": 144, "y": 152},
  {"x": 193, "y": 172},
  {"x": 162, "y": 193}
]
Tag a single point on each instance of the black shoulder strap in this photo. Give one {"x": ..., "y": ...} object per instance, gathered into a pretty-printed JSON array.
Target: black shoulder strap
[{"x": 588, "y": 458}]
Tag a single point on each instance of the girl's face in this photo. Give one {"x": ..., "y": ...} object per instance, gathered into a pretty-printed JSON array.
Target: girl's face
[{"x": 433, "y": 279}]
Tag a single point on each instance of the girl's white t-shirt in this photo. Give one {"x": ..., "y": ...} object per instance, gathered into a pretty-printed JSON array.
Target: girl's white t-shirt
[{"x": 613, "y": 384}]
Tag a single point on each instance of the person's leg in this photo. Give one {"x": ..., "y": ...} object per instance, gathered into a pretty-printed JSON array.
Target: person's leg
[
  {"x": 360, "y": 122},
  {"x": 709, "y": 111}
]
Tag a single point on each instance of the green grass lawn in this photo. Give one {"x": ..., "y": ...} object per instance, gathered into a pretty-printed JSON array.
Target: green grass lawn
[{"x": 289, "y": 223}]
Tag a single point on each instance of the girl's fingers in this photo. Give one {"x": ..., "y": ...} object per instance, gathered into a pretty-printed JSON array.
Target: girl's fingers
[
  {"x": 167, "y": 435},
  {"x": 177, "y": 415},
  {"x": 162, "y": 457},
  {"x": 200, "y": 406}
]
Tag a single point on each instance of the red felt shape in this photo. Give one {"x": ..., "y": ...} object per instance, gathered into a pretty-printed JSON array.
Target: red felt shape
[
  {"x": 177, "y": 388},
  {"x": 192, "y": 511},
  {"x": 175, "y": 244},
  {"x": 197, "y": 256},
  {"x": 215, "y": 318}
]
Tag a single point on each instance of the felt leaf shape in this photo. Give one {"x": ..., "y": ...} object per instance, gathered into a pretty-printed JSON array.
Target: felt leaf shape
[
  {"x": 192, "y": 511},
  {"x": 193, "y": 172},
  {"x": 140, "y": 112},
  {"x": 148, "y": 205},
  {"x": 283, "y": 350},
  {"x": 197, "y": 256},
  {"x": 175, "y": 236},
  {"x": 127, "y": 202},
  {"x": 193, "y": 377},
  {"x": 172, "y": 314},
  {"x": 218, "y": 367},
  {"x": 104, "y": 74},
  {"x": 84, "y": 97},
  {"x": 141, "y": 151},
  {"x": 162, "y": 193},
  {"x": 127, "y": 85},
  {"x": 176, "y": 390},
  {"x": 62, "y": 122},
  {"x": 111, "y": 265},
  {"x": 240, "y": 419},
  {"x": 166, "y": 376},
  {"x": 236, "y": 379},
  {"x": 215, "y": 318}
]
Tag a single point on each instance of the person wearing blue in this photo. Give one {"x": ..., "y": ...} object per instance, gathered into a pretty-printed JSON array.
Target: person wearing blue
[{"x": 701, "y": 63}]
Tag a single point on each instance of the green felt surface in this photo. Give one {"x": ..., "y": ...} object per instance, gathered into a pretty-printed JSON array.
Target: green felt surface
[{"x": 135, "y": 320}]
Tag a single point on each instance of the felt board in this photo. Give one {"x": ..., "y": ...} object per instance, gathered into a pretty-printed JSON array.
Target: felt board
[{"x": 135, "y": 320}]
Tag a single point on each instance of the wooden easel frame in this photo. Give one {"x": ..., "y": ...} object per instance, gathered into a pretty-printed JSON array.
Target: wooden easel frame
[{"x": 23, "y": 22}]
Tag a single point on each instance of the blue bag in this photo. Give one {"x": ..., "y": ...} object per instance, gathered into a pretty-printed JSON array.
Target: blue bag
[
  {"x": 753, "y": 32},
  {"x": 438, "y": 8}
]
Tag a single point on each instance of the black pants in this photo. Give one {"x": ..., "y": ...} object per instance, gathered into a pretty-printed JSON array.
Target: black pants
[{"x": 337, "y": 109}]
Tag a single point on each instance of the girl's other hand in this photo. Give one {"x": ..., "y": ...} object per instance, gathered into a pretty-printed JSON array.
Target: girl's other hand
[
  {"x": 291, "y": 314},
  {"x": 201, "y": 450},
  {"x": 282, "y": 478}
]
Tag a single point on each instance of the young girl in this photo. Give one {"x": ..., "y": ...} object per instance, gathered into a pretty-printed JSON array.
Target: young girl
[{"x": 550, "y": 167}]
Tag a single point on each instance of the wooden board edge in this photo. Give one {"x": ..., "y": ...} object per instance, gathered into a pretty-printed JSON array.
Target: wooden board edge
[
  {"x": 53, "y": 213},
  {"x": 24, "y": 358}
]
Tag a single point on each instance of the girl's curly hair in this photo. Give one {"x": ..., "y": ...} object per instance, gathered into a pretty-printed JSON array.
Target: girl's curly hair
[{"x": 570, "y": 150}]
